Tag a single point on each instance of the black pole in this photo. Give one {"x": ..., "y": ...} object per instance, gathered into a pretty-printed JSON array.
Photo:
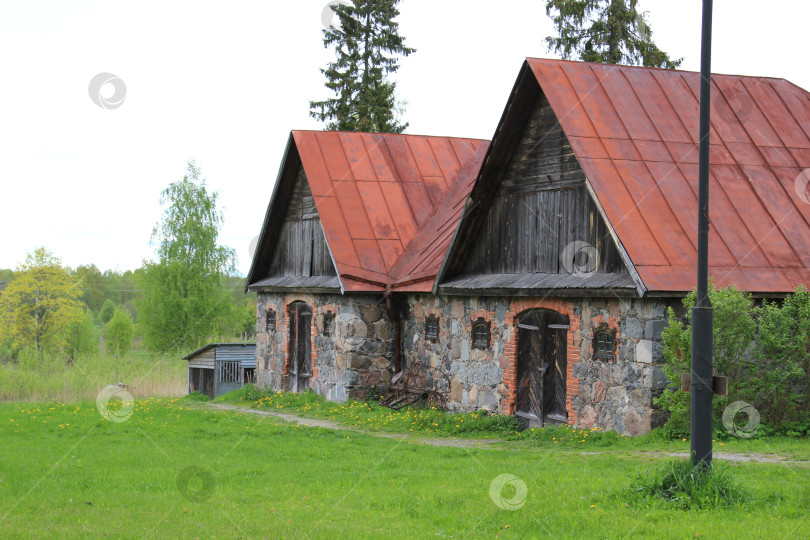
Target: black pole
[{"x": 702, "y": 315}]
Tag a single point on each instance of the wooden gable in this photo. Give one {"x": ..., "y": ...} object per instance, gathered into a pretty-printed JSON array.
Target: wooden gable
[
  {"x": 292, "y": 252},
  {"x": 532, "y": 223},
  {"x": 301, "y": 248}
]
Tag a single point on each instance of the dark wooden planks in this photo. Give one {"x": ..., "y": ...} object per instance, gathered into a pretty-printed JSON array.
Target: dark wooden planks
[
  {"x": 540, "y": 206},
  {"x": 301, "y": 249}
]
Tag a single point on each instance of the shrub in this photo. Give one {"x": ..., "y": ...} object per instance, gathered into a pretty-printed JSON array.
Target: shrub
[
  {"x": 734, "y": 329},
  {"x": 106, "y": 311},
  {"x": 119, "y": 332},
  {"x": 688, "y": 487},
  {"x": 82, "y": 336},
  {"x": 764, "y": 351}
]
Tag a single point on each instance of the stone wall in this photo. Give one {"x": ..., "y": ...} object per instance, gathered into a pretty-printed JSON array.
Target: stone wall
[
  {"x": 356, "y": 357},
  {"x": 613, "y": 394}
]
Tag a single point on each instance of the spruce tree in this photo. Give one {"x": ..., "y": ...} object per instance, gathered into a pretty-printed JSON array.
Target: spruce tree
[
  {"x": 367, "y": 48},
  {"x": 604, "y": 31}
]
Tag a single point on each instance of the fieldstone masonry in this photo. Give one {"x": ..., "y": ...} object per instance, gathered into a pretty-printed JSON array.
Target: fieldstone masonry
[
  {"x": 614, "y": 395},
  {"x": 357, "y": 357}
]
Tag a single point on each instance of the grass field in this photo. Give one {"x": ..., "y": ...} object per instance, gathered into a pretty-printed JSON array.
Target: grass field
[
  {"x": 57, "y": 378},
  {"x": 177, "y": 469}
]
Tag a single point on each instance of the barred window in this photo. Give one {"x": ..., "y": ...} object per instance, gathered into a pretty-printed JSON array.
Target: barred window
[
  {"x": 329, "y": 324},
  {"x": 481, "y": 333},
  {"x": 270, "y": 320},
  {"x": 604, "y": 343},
  {"x": 432, "y": 328}
]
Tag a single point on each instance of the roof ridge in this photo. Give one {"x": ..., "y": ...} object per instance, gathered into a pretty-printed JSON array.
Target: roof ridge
[{"x": 650, "y": 68}]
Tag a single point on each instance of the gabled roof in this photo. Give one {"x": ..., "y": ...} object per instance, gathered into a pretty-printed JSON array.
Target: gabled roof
[
  {"x": 634, "y": 131},
  {"x": 377, "y": 195}
]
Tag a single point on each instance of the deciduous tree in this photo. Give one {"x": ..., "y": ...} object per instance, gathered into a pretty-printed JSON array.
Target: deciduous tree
[
  {"x": 40, "y": 304},
  {"x": 119, "y": 332},
  {"x": 184, "y": 299}
]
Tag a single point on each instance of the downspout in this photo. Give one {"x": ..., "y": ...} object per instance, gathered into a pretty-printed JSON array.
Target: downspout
[{"x": 393, "y": 313}]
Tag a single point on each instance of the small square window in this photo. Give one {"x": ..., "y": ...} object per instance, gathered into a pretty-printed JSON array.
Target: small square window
[
  {"x": 329, "y": 324},
  {"x": 270, "y": 320},
  {"x": 481, "y": 333},
  {"x": 604, "y": 343},
  {"x": 432, "y": 328}
]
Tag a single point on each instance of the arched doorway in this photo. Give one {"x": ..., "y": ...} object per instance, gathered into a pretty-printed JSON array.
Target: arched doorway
[
  {"x": 300, "y": 346},
  {"x": 541, "y": 368}
]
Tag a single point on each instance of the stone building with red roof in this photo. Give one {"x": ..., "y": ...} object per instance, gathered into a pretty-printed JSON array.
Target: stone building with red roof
[{"x": 531, "y": 275}]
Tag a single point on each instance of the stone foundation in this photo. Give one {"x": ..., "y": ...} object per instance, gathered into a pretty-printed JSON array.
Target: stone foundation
[
  {"x": 356, "y": 357},
  {"x": 614, "y": 394}
]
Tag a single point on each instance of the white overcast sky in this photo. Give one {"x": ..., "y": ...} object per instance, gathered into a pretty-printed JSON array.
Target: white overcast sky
[{"x": 225, "y": 82}]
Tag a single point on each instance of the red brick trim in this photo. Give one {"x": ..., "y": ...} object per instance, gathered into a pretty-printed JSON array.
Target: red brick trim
[
  {"x": 285, "y": 336},
  {"x": 563, "y": 307}
]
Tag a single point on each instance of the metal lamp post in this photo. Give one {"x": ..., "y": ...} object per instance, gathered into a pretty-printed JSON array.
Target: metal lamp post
[{"x": 702, "y": 313}]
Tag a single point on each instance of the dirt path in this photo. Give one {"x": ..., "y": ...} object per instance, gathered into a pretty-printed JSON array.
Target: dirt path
[
  {"x": 329, "y": 424},
  {"x": 482, "y": 443}
]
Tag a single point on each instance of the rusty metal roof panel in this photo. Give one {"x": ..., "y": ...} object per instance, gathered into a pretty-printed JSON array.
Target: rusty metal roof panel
[
  {"x": 634, "y": 131},
  {"x": 426, "y": 253},
  {"x": 375, "y": 193}
]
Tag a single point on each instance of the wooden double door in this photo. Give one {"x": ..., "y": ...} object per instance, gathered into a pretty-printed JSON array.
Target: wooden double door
[
  {"x": 542, "y": 364},
  {"x": 300, "y": 346}
]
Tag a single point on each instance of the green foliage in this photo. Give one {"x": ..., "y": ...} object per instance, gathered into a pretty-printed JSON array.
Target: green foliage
[
  {"x": 106, "y": 312},
  {"x": 374, "y": 417},
  {"x": 58, "y": 377},
  {"x": 39, "y": 305},
  {"x": 688, "y": 487},
  {"x": 367, "y": 47},
  {"x": 184, "y": 300},
  {"x": 82, "y": 336},
  {"x": 196, "y": 396},
  {"x": 121, "y": 480},
  {"x": 605, "y": 32},
  {"x": 119, "y": 332},
  {"x": 764, "y": 351}
]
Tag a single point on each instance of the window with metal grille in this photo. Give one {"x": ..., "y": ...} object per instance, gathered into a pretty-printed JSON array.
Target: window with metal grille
[
  {"x": 481, "y": 333},
  {"x": 270, "y": 320},
  {"x": 229, "y": 372},
  {"x": 604, "y": 343},
  {"x": 329, "y": 324},
  {"x": 432, "y": 328}
]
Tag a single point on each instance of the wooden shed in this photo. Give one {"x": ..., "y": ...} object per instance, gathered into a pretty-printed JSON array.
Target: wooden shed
[{"x": 219, "y": 368}]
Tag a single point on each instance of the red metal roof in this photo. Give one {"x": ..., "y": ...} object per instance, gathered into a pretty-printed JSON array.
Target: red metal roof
[
  {"x": 635, "y": 132},
  {"x": 377, "y": 193}
]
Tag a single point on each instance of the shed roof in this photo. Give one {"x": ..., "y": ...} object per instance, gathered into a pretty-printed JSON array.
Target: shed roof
[
  {"x": 250, "y": 346},
  {"x": 378, "y": 196},
  {"x": 634, "y": 131}
]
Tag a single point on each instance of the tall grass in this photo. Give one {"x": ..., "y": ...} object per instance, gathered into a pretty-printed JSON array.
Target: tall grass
[{"x": 56, "y": 378}]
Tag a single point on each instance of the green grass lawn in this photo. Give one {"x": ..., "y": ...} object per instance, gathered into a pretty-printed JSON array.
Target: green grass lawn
[{"x": 67, "y": 472}]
